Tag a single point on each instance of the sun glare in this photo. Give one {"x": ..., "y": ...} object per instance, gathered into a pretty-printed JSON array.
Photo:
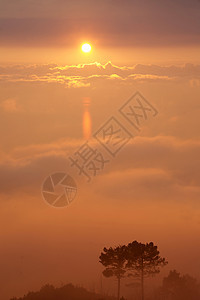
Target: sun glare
[{"x": 86, "y": 48}]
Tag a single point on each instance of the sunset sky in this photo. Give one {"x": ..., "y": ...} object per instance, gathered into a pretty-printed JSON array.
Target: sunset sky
[{"x": 54, "y": 97}]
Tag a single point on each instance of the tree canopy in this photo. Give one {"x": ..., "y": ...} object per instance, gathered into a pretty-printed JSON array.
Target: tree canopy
[{"x": 135, "y": 259}]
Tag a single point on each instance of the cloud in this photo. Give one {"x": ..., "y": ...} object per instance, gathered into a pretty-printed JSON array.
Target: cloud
[
  {"x": 157, "y": 168},
  {"x": 10, "y": 106},
  {"x": 78, "y": 76}
]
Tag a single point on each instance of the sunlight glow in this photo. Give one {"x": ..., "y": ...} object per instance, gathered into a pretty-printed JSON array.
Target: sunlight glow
[{"x": 86, "y": 48}]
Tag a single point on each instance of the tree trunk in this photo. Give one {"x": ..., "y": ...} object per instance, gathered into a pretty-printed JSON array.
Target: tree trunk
[
  {"x": 118, "y": 289},
  {"x": 142, "y": 280}
]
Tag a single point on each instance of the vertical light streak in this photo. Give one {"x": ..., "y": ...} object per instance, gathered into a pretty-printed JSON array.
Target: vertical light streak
[{"x": 87, "y": 122}]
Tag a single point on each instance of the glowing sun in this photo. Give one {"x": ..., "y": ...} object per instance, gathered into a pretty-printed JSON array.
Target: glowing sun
[{"x": 86, "y": 48}]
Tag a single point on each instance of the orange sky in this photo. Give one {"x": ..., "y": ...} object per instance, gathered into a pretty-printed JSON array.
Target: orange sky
[{"x": 150, "y": 190}]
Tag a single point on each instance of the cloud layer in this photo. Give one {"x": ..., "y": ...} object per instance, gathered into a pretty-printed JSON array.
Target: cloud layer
[
  {"x": 157, "y": 168},
  {"x": 86, "y": 74}
]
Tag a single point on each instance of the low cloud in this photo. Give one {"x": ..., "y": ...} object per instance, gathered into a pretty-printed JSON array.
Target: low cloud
[
  {"x": 149, "y": 168},
  {"x": 85, "y": 75}
]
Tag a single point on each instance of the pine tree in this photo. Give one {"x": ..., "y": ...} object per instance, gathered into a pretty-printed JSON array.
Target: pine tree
[
  {"x": 114, "y": 261},
  {"x": 143, "y": 260}
]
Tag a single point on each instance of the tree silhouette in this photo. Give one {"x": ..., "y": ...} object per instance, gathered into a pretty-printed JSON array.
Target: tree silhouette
[
  {"x": 65, "y": 292},
  {"x": 143, "y": 260},
  {"x": 180, "y": 287},
  {"x": 114, "y": 261}
]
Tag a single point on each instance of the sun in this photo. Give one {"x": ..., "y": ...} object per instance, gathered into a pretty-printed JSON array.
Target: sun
[{"x": 86, "y": 48}]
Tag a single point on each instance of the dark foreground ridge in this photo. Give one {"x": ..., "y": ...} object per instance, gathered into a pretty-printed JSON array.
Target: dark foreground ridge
[{"x": 66, "y": 292}]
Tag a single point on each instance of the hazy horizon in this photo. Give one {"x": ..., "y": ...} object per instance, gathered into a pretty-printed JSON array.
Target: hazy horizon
[{"x": 54, "y": 97}]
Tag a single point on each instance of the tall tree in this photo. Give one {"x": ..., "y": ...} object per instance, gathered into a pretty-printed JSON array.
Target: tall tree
[
  {"x": 143, "y": 260},
  {"x": 114, "y": 261}
]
